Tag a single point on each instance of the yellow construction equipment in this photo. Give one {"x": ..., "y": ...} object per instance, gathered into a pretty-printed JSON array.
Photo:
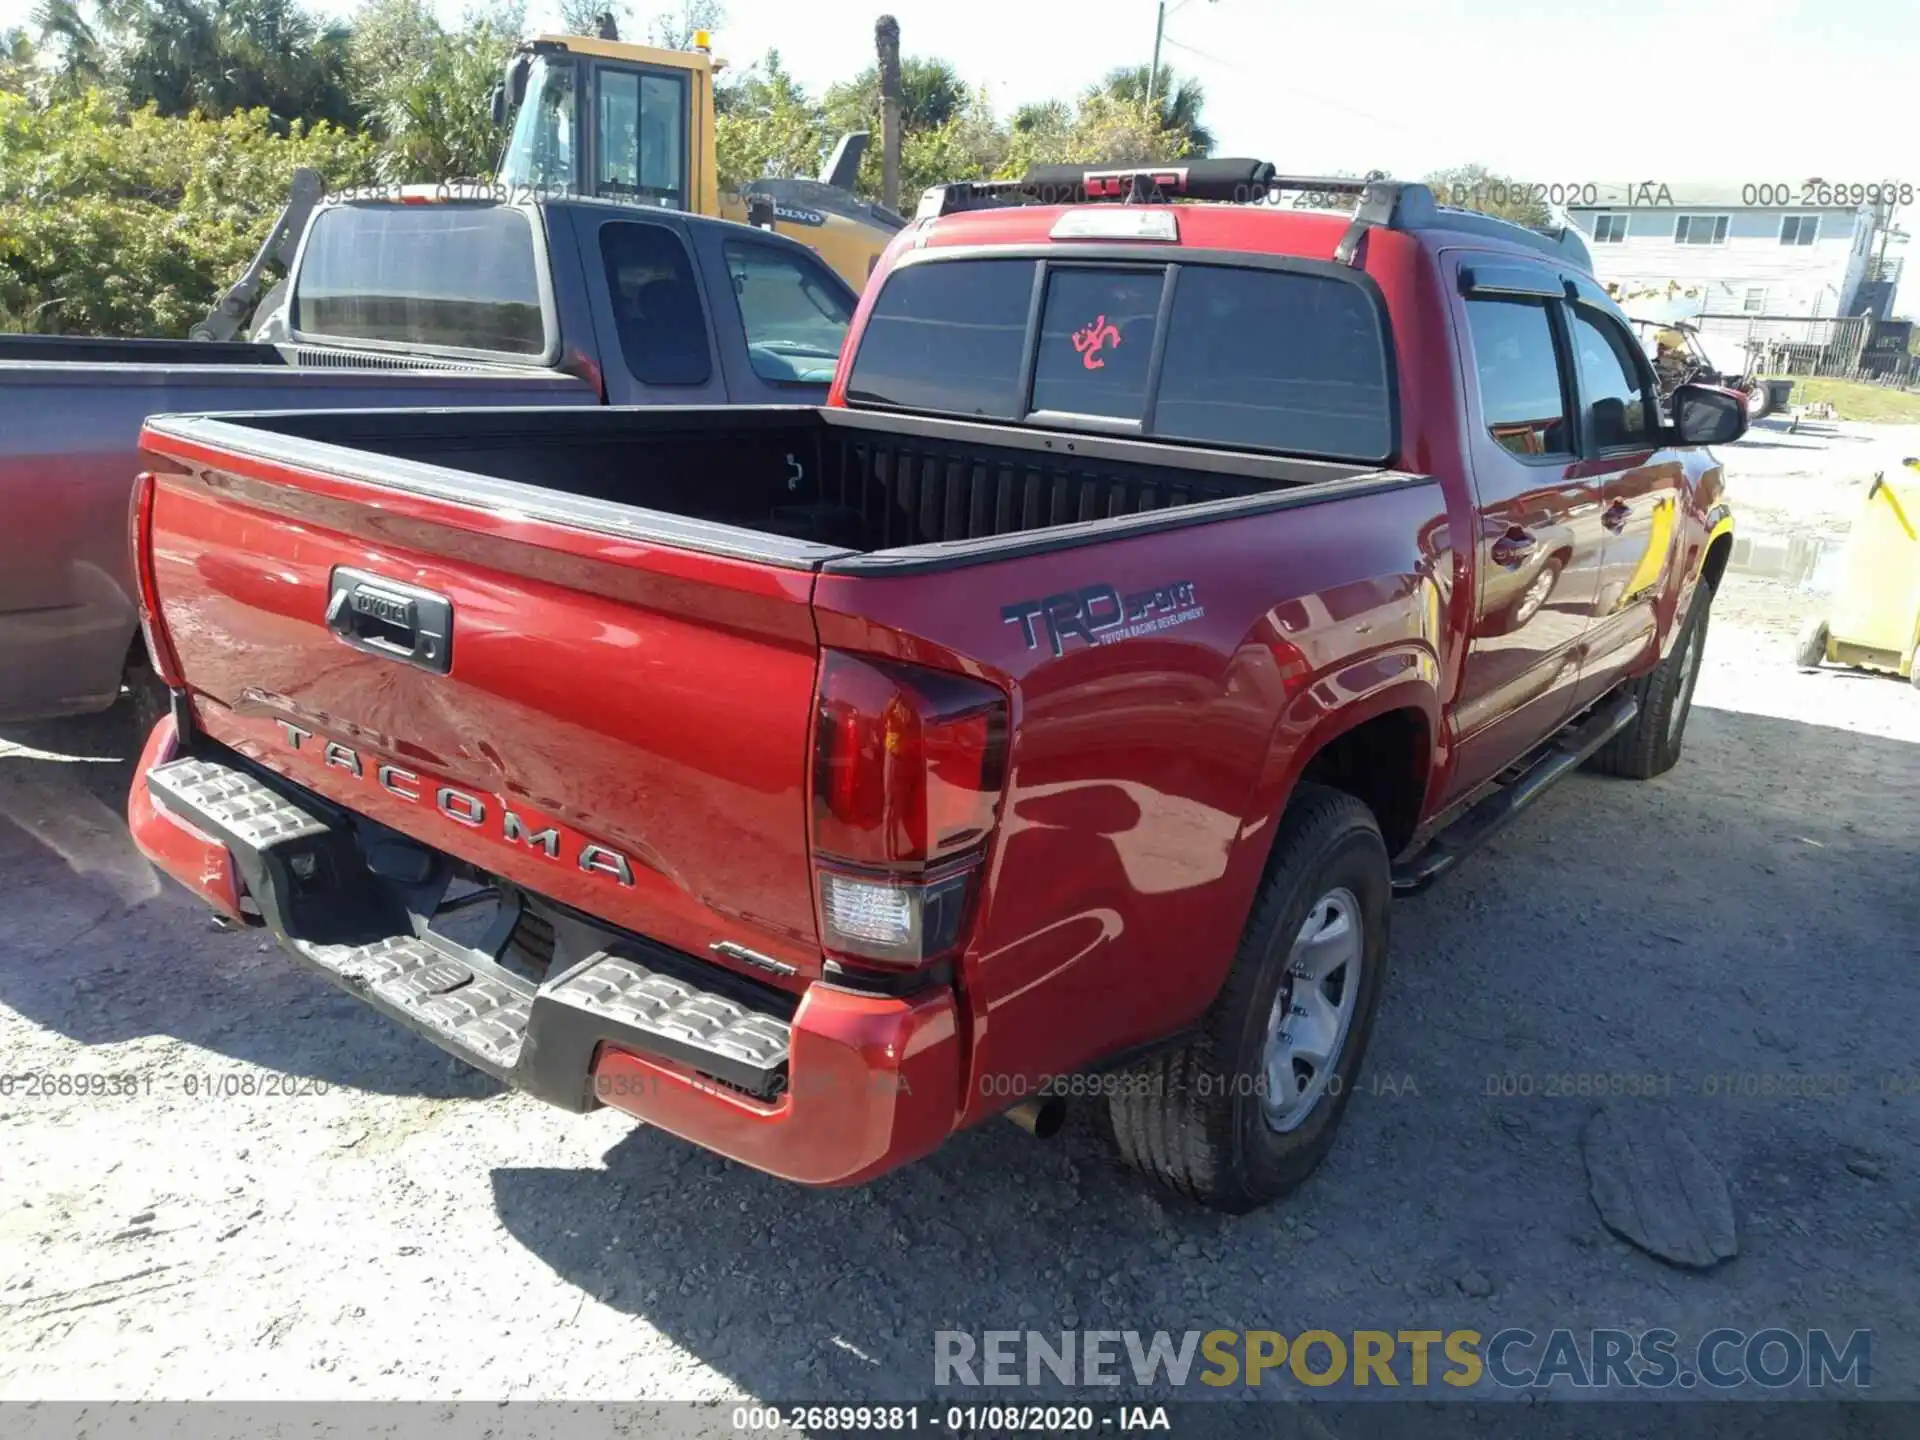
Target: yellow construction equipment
[
  {"x": 635, "y": 123},
  {"x": 1875, "y": 622}
]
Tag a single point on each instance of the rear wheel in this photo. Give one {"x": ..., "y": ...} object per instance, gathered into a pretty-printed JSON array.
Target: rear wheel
[
  {"x": 1248, "y": 1109},
  {"x": 1757, "y": 400},
  {"x": 1650, "y": 746}
]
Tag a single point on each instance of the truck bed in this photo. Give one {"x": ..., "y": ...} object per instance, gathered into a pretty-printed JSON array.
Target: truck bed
[{"x": 800, "y": 485}]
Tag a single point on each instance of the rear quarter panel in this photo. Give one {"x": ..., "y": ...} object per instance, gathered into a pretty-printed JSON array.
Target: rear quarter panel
[
  {"x": 69, "y": 450},
  {"x": 1146, "y": 772}
]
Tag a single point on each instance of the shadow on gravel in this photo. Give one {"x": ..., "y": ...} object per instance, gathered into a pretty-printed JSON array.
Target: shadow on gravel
[
  {"x": 1749, "y": 917},
  {"x": 98, "y": 945}
]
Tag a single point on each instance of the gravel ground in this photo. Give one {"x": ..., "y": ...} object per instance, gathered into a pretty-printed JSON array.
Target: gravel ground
[{"x": 398, "y": 1227}]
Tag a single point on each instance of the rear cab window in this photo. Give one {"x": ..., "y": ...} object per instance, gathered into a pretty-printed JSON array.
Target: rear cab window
[
  {"x": 448, "y": 277},
  {"x": 1291, "y": 358},
  {"x": 1523, "y": 400}
]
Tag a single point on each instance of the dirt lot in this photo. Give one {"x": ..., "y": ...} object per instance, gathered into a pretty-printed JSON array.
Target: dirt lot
[{"x": 398, "y": 1228}]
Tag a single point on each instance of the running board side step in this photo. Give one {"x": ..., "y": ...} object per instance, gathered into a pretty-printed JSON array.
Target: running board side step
[{"x": 1566, "y": 752}]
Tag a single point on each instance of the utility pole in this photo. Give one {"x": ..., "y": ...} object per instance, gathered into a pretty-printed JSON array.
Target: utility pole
[
  {"x": 1153, "y": 70},
  {"x": 886, "y": 40}
]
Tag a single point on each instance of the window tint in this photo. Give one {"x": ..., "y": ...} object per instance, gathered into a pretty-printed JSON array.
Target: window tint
[
  {"x": 641, "y": 147},
  {"x": 449, "y": 275},
  {"x": 947, "y": 336},
  {"x": 1096, "y": 336},
  {"x": 1275, "y": 360},
  {"x": 1610, "y": 383},
  {"x": 656, "y": 305},
  {"x": 1520, "y": 396},
  {"x": 795, "y": 316}
]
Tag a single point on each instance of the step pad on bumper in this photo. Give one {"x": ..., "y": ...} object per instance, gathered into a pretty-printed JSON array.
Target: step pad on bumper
[
  {"x": 685, "y": 1022},
  {"x": 481, "y": 1017},
  {"x": 219, "y": 798}
]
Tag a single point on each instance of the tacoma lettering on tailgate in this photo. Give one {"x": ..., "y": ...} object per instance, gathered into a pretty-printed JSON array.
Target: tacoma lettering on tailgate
[{"x": 465, "y": 808}]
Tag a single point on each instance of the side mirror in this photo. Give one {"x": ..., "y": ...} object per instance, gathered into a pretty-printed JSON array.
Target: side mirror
[
  {"x": 1708, "y": 415},
  {"x": 497, "y": 102},
  {"x": 517, "y": 70}
]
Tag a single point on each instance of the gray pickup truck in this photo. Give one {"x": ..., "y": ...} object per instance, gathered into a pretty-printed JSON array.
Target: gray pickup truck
[{"x": 386, "y": 304}]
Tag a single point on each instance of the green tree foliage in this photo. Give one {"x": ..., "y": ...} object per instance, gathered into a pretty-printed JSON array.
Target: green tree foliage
[
  {"x": 213, "y": 57},
  {"x": 1175, "y": 109},
  {"x": 425, "y": 91},
  {"x": 1475, "y": 187},
  {"x": 767, "y": 126},
  {"x": 116, "y": 224},
  {"x": 17, "y": 69}
]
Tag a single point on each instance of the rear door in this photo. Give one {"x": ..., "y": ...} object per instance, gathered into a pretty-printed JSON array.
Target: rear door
[{"x": 1538, "y": 551}]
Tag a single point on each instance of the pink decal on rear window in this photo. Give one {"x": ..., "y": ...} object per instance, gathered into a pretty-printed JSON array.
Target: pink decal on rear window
[{"x": 1092, "y": 339}]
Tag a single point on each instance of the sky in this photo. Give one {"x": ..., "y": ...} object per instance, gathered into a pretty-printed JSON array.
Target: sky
[{"x": 1554, "y": 91}]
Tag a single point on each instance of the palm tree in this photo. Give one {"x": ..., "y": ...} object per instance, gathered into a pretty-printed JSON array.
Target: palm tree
[{"x": 1176, "y": 101}]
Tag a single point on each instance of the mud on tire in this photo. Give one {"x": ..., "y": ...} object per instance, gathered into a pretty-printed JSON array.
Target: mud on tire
[{"x": 1199, "y": 1119}]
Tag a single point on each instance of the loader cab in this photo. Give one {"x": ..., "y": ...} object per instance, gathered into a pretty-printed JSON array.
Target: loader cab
[{"x": 610, "y": 120}]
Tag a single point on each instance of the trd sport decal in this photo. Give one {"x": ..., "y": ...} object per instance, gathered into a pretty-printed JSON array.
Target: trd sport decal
[{"x": 1099, "y": 615}]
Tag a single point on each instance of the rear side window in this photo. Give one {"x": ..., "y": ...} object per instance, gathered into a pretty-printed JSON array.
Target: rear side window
[
  {"x": 947, "y": 337},
  {"x": 1275, "y": 360},
  {"x": 1522, "y": 402},
  {"x": 454, "y": 276},
  {"x": 1096, "y": 337},
  {"x": 795, "y": 316},
  {"x": 656, "y": 304}
]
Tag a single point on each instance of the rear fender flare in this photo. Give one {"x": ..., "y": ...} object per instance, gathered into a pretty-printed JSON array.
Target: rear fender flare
[{"x": 1404, "y": 678}]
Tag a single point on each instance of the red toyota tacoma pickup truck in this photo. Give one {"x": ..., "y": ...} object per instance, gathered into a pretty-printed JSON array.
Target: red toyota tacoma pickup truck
[{"x": 1165, "y": 585}]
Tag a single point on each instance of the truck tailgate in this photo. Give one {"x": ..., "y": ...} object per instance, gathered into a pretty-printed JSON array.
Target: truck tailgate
[{"x": 619, "y": 726}]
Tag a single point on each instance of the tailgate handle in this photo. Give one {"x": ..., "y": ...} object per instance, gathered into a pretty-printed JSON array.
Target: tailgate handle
[{"x": 388, "y": 618}]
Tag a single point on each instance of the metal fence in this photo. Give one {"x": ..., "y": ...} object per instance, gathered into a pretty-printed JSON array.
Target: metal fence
[{"x": 1834, "y": 347}]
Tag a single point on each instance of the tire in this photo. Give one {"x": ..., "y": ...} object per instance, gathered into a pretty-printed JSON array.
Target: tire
[
  {"x": 1811, "y": 648},
  {"x": 1650, "y": 746},
  {"x": 1198, "y": 1119},
  {"x": 1757, "y": 401}
]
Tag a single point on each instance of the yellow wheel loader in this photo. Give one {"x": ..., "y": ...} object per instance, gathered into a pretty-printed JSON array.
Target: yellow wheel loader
[{"x": 633, "y": 123}]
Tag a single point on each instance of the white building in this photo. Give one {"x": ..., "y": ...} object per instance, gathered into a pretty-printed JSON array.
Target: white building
[{"x": 1724, "y": 249}]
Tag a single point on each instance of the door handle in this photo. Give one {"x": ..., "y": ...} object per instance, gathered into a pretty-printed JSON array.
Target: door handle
[
  {"x": 1616, "y": 516},
  {"x": 390, "y": 619},
  {"x": 1514, "y": 548}
]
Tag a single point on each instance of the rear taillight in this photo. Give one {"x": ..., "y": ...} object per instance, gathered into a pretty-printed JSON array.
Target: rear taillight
[
  {"x": 908, "y": 766},
  {"x": 140, "y": 536}
]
